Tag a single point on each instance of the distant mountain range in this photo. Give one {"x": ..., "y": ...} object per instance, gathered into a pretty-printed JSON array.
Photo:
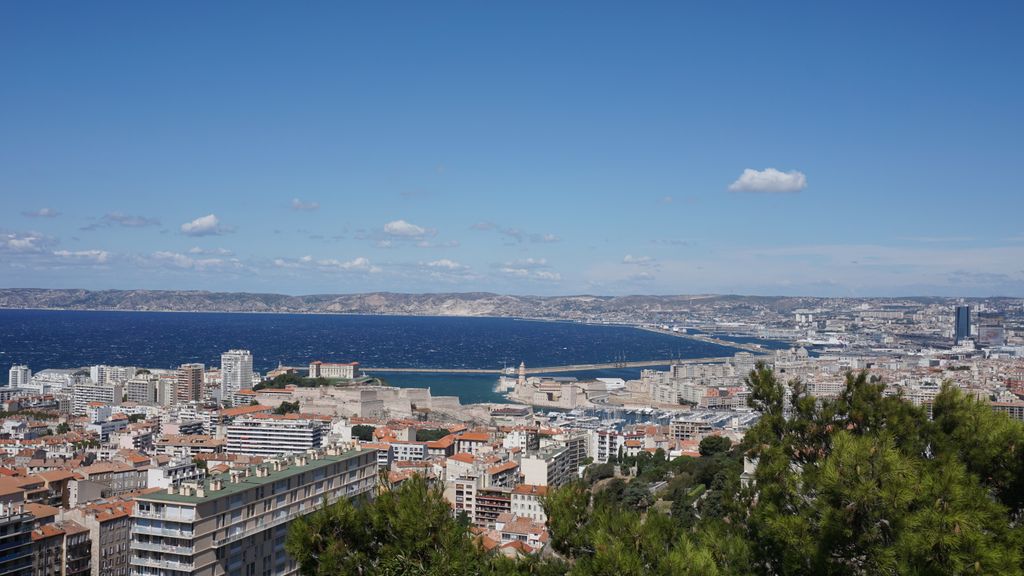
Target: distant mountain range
[{"x": 453, "y": 304}]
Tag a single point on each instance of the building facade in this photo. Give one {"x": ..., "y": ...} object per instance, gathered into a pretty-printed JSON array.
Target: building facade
[
  {"x": 236, "y": 523},
  {"x": 347, "y": 370},
  {"x": 235, "y": 372},
  {"x": 19, "y": 376},
  {"x": 188, "y": 384},
  {"x": 267, "y": 435}
]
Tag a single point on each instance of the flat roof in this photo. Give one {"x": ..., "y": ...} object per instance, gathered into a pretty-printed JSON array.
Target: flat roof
[{"x": 252, "y": 481}]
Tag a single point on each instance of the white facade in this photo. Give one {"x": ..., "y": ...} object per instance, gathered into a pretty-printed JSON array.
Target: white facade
[
  {"x": 85, "y": 392},
  {"x": 19, "y": 376},
  {"x": 235, "y": 371},
  {"x": 103, "y": 374},
  {"x": 528, "y": 502},
  {"x": 142, "y": 390},
  {"x": 349, "y": 370},
  {"x": 548, "y": 467},
  {"x": 272, "y": 436}
]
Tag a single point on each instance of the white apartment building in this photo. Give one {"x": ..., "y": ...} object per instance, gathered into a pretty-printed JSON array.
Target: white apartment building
[
  {"x": 236, "y": 523},
  {"x": 235, "y": 372},
  {"x": 142, "y": 390},
  {"x": 409, "y": 450},
  {"x": 82, "y": 393},
  {"x": 605, "y": 444},
  {"x": 269, "y": 435},
  {"x": 103, "y": 374},
  {"x": 547, "y": 467},
  {"x": 528, "y": 502},
  {"x": 19, "y": 376}
]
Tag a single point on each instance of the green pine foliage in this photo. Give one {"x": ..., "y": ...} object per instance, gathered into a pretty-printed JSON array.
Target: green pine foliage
[{"x": 864, "y": 484}]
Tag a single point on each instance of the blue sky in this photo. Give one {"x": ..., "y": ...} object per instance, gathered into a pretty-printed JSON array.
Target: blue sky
[{"x": 530, "y": 147}]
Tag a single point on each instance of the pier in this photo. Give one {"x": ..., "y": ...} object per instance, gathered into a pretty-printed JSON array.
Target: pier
[
  {"x": 556, "y": 369},
  {"x": 753, "y": 348}
]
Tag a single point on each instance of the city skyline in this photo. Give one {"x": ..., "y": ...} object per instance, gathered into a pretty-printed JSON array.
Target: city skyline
[{"x": 791, "y": 149}]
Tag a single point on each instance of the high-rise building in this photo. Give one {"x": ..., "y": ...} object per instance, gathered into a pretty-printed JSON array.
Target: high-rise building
[
  {"x": 962, "y": 330},
  {"x": 235, "y": 372},
  {"x": 19, "y": 376},
  {"x": 188, "y": 385},
  {"x": 103, "y": 374},
  {"x": 83, "y": 393},
  {"x": 990, "y": 331},
  {"x": 142, "y": 389},
  {"x": 16, "y": 528},
  {"x": 236, "y": 523}
]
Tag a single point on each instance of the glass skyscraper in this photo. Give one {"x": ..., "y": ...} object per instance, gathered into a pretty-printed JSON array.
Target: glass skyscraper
[{"x": 963, "y": 323}]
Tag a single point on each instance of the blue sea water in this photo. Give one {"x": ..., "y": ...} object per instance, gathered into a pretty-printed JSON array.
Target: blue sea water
[{"x": 70, "y": 339}]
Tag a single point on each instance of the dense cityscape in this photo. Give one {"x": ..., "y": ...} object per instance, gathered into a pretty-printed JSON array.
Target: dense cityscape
[
  {"x": 511, "y": 288},
  {"x": 129, "y": 470}
]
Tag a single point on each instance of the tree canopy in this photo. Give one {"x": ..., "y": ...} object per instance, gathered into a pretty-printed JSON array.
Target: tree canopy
[{"x": 862, "y": 484}]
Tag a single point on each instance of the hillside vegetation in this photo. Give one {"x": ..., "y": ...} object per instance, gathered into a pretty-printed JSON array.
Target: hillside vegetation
[{"x": 861, "y": 485}]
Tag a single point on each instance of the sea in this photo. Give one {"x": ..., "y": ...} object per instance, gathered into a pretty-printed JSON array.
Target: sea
[{"x": 72, "y": 339}]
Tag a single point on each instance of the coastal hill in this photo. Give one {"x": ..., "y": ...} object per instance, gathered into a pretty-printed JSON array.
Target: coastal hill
[
  {"x": 452, "y": 304},
  {"x": 581, "y": 307}
]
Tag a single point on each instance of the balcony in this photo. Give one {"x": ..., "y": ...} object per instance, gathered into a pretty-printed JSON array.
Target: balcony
[
  {"x": 263, "y": 526},
  {"x": 162, "y": 564},
  {"x": 157, "y": 547},
  {"x": 161, "y": 515},
  {"x": 154, "y": 531}
]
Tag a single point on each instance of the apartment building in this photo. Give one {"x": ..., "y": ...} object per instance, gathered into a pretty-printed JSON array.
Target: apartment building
[
  {"x": 605, "y": 444},
  {"x": 60, "y": 549},
  {"x": 188, "y": 383},
  {"x": 84, "y": 393},
  {"x": 694, "y": 428},
  {"x": 19, "y": 376},
  {"x": 548, "y": 467},
  {"x": 142, "y": 389},
  {"x": 528, "y": 502},
  {"x": 16, "y": 539},
  {"x": 270, "y": 435},
  {"x": 236, "y": 523},
  {"x": 235, "y": 372},
  {"x": 108, "y": 523}
]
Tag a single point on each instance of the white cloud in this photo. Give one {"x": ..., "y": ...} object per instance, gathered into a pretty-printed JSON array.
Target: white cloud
[
  {"x": 769, "y": 180},
  {"x": 208, "y": 225},
  {"x": 25, "y": 242},
  {"x": 527, "y": 263},
  {"x": 124, "y": 220},
  {"x": 515, "y": 233},
  {"x": 359, "y": 264},
  {"x": 544, "y": 238},
  {"x": 446, "y": 264},
  {"x": 530, "y": 274},
  {"x": 97, "y": 256},
  {"x": 518, "y": 272},
  {"x": 184, "y": 261},
  {"x": 304, "y": 206},
  {"x": 640, "y": 260},
  {"x": 405, "y": 229},
  {"x": 430, "y": 244},
  {"x": 42, "y": 213},
  {"x": 546, "y": 275},
  {"x": 209, "y": 251}
]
